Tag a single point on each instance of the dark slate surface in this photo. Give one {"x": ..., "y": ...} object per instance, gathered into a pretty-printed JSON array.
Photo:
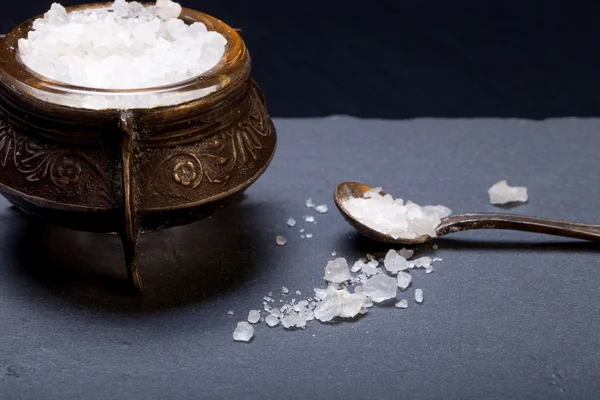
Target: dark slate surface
[{"x": 507, "y": 315}]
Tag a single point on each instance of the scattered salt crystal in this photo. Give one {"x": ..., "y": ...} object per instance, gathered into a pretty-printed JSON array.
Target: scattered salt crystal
[
  {"x": 379, "y": 288},
  {"x": 428, "y": 269},
  {"x": 291, "y": 222},
  {"x": 270, "y": 294},
  {"x": 340, "y": 303},
  {"x": 358, "y": 265},
  {"x": 299, "y": 293},
  {"x": 310, "y": 203},
  {"x": 309, "y": 218},
  {"x": 333, "y": 253},
  {"x": 272, "y": 320},
  {"x": 243, "y": 332},
  {"x": 437, "y": 259},
  {"x": 435, "y": 247},
  {"x": 309, "y": 235},
  {"x": 369, "y": 268},
  {"x": 404, "y": 279},
  {"x": 301, "y": 230},
  {"x": 285, "y": 290},
  {"x": 293, "y": 320},
  {"x": 337, "y": 271},
  {"x": 394, "y": 262},
  {"x": 280, "y": 240},
  {"x": 322, "y": 293},
  {"x": 267, "y": 298},
  {"x": 402, "y": 304},
  {"x": 230, "y": 312},
  {"x": 406, "y": 253},
  {"x": 422, "y": 262},
  {"x": 276, "y": 313},
  {"x": 123, "y": 46},
  {"x": 502, "y": 193},
  {"x": 419, "y": 295},
  {"x": 321, "y": 209},
  {"x": 254, "y": 316},
  {"x": 393, "y": 217}
]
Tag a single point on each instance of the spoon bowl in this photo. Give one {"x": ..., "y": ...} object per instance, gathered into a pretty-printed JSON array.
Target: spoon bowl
[
  {"x": 463, "y": 222},
  {"x": 348, "y": 190}
]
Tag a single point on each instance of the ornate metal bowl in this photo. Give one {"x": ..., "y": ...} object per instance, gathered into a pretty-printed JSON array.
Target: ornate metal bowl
[{"x": 130, "y": 171}]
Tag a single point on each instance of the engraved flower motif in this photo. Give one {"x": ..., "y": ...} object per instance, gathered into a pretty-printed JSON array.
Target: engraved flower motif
[
  {"x": 185, "y": 173},
  {"x": 67, "y": 172}
]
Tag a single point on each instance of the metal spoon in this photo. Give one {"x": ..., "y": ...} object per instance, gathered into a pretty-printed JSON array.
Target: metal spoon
[{"x": 463, "y": 222}]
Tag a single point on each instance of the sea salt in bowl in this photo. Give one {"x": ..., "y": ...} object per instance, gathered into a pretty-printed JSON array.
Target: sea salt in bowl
[{"x": 83, "y": 159}]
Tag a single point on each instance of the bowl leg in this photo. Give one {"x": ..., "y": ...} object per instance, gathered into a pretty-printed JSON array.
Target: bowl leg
[
  {"x": 130, "y": 246},
  {"x": 131, "y": 232}
]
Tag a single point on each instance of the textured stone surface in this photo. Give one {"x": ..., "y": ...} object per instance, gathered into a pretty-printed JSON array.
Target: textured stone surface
[{"x": 503, "y": 315}]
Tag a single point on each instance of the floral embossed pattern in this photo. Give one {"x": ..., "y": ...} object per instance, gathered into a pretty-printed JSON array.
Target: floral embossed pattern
[
  {"x": 215, "y": 161},
  {"x": 63, "y": 167}
]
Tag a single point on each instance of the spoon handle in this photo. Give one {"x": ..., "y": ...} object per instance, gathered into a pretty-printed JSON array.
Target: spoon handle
[{"x": 463, "y": 222}]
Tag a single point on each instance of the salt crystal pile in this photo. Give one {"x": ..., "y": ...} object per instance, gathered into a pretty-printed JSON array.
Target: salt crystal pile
[
  {"x": 124, "y": 46},
  {"x": 337, "y": 301},
  {"x": 502, "y": 193},
  {"x": 394, "y": 217}
]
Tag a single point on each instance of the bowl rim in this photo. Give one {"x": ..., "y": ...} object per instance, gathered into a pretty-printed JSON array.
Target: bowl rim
[{"x": 223, "y": 74}]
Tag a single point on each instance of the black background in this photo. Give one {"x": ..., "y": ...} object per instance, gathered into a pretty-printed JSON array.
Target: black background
[{"x": 412, "y": 58}]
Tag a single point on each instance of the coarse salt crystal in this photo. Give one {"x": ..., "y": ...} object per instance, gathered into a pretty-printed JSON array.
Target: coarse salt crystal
[
  {"x": 379, "y": 288},
  {"x": 291, "y": 222},
  {"x": 406, "y": 253},
  {"x": 337, "y": 271},
  {"x": 358, "y": 265},
  {"x": 402, "y": 304},
  {"x": 321, "y": 209},
  {"x": 272, "y": 320},
  {"x": 404, "y": 279},
  {"x": 394, "y": 262},
  {"x": 309, "y": 218},
  {"x": 285, "y": 290},
  {"x": 419, "y": 295},
  {"x": 310, "y": 203},
  {"x": 230, "y": 312},
  {"x": 243, "y": 332},
  {"x": 422, "y": 262},
  {"x": 309, "y": 235},
  {"x": 280, "y": 240},
  {"x": 254, "y": 316},
  {"x": 502, "y": 193}
]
